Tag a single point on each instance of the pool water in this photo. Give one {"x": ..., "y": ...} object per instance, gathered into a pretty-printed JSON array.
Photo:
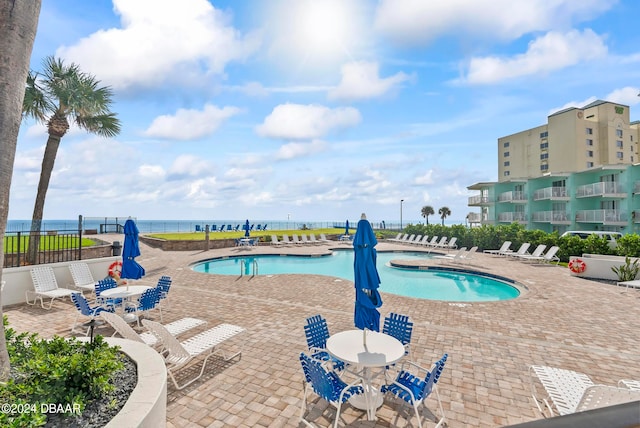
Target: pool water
[{"x": 430, "y": 284}]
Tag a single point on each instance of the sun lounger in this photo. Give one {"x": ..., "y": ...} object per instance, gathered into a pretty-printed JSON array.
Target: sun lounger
[
  {"x": 452, "y": 257},
  {"x": 323, "y": 238},
  {"x": 549, "y": 257},
  {"x": 500, "y": 251},
  {"x": 180, "y": 354},
  {"x": 45, "y": 285},
  {"x": 274, "y": 240},
  {"x": 423, "y": 241},
  {"x": 536, "y": 253},
  {"x": 635, "y": 283},
  {"x": 521, "y": 251}
]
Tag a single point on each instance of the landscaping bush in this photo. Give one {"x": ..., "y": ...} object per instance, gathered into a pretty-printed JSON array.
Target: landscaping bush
[
  {"x": 58, "y": 371},
  {"x": 628, "y": 245}
]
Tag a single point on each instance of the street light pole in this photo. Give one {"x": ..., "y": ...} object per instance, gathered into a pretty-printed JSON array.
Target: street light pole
[{"x": 401, "y": 201}]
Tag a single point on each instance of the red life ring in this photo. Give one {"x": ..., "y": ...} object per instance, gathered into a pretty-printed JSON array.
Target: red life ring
[
  {"x": 577, "y": 266},
  {"x": 115, "y": 269}
]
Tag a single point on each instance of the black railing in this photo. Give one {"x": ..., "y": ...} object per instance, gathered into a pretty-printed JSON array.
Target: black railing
[{"x": 53, "y": 247}]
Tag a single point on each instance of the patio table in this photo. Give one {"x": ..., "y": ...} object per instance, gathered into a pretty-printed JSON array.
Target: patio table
[
  {"x": 367, "y": 350},
  {"x": 126, "y": 293}
]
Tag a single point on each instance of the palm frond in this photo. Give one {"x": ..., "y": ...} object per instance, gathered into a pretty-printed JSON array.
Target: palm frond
[
  {"x": 104, "y": 125},
  {"x": 36, "y": 104}
]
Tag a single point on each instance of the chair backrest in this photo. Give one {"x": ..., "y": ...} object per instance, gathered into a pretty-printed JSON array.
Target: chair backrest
[
  {"x": 523, "y": 248},
  {"x": 323, "y": 237},
  {"x": 424, "y": 388},
  {"x": 325, "y": 383},
  {"x": 44, "y": 279},
  {"x": 294, "y": 238},
  {"x": 285, "y": 239},
  {"x": 163, "y": 286},
  {"x": 175, "y": 351},
  {"x": 105, "y": 284},
  {"x": 81, "y": 304},
  {"x": 469, "y": 254},
  {"x": 425, "y": 239},
  {"x": 303, "y": 237},
  {"x": 505, "y": 246},
  {"x": 433, "y": 240},
  {"x": 312, "y": 238},
  {"x": 274, "y": 239},
  {"x": 316, "y": 332},
  {"x": 539, "y": 250},
  {"x": 81, "y": 274},
  {"x": 551, "y": 253},
  {"x": 452, "y": 242},
  {"x": 399, "y": 327},
  {"x": 443, "y": 240},
  {"x": 398, "y": 236},
  {"x": 121, "y": 326},
  {"x": 148, "y": 300}
]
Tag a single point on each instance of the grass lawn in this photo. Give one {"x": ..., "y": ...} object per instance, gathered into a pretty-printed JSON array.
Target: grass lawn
[{"x": 52, "y": 242}]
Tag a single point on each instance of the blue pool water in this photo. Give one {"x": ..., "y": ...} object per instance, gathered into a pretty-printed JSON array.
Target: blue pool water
[{"x": 430, "y": 284}]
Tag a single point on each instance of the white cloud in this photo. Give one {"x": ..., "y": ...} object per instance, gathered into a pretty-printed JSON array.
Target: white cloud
[
  {"x": 550, "y": 52},
  {"x": 190, "y": 124},
  {"x": 156, "y": 38},
  {"x": 419, "y": 22},
  {"x": 306, "y": 122},
  {"x": 151, "y": 171},
  {"x": 361, "y": 80},
  {"x": 627, "y": 96},
  {"x": 189, "y": 166},
  {"x": 426, "y": 178},
  {"x": 296, "y": 150}
]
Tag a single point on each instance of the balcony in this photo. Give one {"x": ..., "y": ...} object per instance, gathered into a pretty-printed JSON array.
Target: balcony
[
  {"x": 474, "y": 218},
  {"x": 552, "y": 217},
  {"x": 514, "y": 197},
  {"x": 552, "y": 193},
  {"x": 479, "y": 200},
  {"x": 512, "y": 217},
  {"x": 600, "y": 189},
  {"x": 609, "y": 217},
  {"x": 636, "y": 187}
]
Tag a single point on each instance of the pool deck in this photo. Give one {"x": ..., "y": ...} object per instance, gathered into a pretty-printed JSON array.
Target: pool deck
[{"x": 559, "y": 320}]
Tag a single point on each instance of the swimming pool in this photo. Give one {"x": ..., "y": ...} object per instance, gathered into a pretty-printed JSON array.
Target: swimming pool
[{"x": 433, "y": 284}]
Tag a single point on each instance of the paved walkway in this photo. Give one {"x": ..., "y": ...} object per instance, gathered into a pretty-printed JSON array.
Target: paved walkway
[{"x": 560, "y": 320}]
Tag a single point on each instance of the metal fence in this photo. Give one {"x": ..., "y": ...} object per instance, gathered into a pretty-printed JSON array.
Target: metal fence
[{"x": 53, "y": 247}]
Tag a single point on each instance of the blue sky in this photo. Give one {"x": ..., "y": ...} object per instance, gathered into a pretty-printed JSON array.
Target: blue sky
[{"x": 315, "y": 109}]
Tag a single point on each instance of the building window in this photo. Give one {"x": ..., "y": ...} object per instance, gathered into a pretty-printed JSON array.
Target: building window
[
  {"x": 506, "y": 173},
  {"x": 589, "y": 153},
  {"x": 589, "y": 131},
  {"x": 544, "y": 156},
  {"x": 619, "y": 143},
  {"x": 631, "y": 159},
  {"x": 589, "y": 164},
  {"x": 589, "y": 142},
  {"x": 544, "y": 134},
  {"x": 619, "y": 133},
  {"x": 544, "y": 167},
  {"x": 544, "y": 146},
  {"x": 505, "y": 144},
  {"x": 506, "y": 154},
  {"x": 619, "y": 155},
  {"x": 506, "y": 163}
]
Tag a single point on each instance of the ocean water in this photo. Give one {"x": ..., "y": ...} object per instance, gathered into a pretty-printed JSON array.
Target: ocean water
[{"x": 108, "y": 224}]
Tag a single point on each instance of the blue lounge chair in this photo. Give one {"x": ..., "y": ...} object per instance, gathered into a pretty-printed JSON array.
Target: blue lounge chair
[
  {"x": 264, "y": 227},
  {"x": 228, "y": 227},
  {"x": 83, "y": 307},
  {"x": 237, "y": 228},
  {"x": 327, "y": 385},
  {"x": 415, "y": 390},
  {"x": 317, "y": 333},
  {"x": 214, "y": 227},
  {"x": 258, "y": 227},
  {"x": 198, "y": 229}
]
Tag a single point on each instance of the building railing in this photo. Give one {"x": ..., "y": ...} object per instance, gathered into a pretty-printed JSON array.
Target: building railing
[
  {"x": 599, "y": 189},
  {"x": 54, "y": 246},
  {"x": 551, "y": 217},
  {"x": 474, "y": 217},
  {"x": 512, "y": 216},
  {"x": 550, "y": 193},
  {"x": 479, "y": 200},
  {"x": 514, "y": 196},
  {"x": 636, "y": 187},
  {"x": 602, "y": 216}
]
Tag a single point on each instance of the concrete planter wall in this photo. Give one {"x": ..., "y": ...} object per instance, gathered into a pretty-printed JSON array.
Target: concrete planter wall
[{"x": 599, "y": 266}]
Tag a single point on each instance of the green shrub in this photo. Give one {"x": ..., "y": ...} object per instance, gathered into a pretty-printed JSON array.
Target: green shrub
[
  {"x": 628, "y": 245},
  {"x": 56, "y": 371},
  {"x": 628, "y": 271}
]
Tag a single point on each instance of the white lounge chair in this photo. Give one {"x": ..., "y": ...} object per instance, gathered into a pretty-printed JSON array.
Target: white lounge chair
[
  {"x": 123, "y": 328},
  {"x": 286, "y": 240},
  {"x": 274, "y": 241},
  {"x": 441, "y": 243},
  {"x": 468, "y": 255},
  {"x": 82, "y": 277},
  {"x": 548, "y": 257},
  {"x": 451, "y": 245},
  {"x": 521, "y": 251},
  {"x": 416, "y": 239},
  {"x": 409, "y": 239},
  {"x": 536, "y": 253},
  {"x": 295, "y": 239},
  {"x": 323, "y": 238},
  {"x": 397, "y": 238},
  {"x": 452, "y": 257},
  {"x": 45, "y": 285},
  {"x": 500, "y": 251},
  {"x": 304, "y": 239},
  {"x": 423, "y": 241},
  {"x": 630, "y": 384},
  {"x": 313, "y": 240},
  {"x": 180, "y": 354}
]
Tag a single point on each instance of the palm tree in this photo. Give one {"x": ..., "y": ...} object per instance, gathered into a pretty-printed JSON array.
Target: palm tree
[
  {"x": 18, "y": 24},
  {"x": 63, "y": 92},
  {"x": 444, "y": 213},
  {"x": 426, "y": 211}
]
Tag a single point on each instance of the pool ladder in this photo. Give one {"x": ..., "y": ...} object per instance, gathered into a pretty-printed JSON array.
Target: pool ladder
[{"x": 254, "y": 267}]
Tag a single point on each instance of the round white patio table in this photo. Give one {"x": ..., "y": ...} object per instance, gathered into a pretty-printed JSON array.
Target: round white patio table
[
  {"x": 366, "y": 349},
  {"x": 125, "y": 292}
]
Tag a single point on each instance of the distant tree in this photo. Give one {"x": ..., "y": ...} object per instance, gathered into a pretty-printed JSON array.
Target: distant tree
[
  {"x": 18, "y": 24},
  {"x": 426, "y": 211},
  {"x": 444, "y": 213},
  {"x": 63, "y": 92}
]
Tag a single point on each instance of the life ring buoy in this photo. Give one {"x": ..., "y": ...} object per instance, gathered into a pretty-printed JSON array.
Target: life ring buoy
[
  {"x": 577, "y": 266},
  {"x": 115, "y": 269}
]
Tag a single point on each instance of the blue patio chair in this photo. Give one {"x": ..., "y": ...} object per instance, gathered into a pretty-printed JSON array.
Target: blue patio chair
[
  {"x": 264, "y": 227},
  {"x": 317, "y": 333},
  {"x": 163, "y": 286},
  {"x": 415, "y": 390},
  {"x": 327, "y": 385},
  {"x": 105, "y": 284},
  {"x": 82, "y": 305},
  {"x": 149, "y": 300},
  {"x": 399, "y": 327},
  {"x": 229, "y": 228},
  {"x": 198, "y": 228},
  {"x": 259, "y": 227},
  {"x": 237, "y": 228},
  {"x": 213, "y": 227}
]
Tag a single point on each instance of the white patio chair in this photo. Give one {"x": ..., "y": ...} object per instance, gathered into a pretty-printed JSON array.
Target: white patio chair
[
  {"x": 180, "y": 354},
  {"x": 82, "y": 277},
  {"x": 630, "y": 384},
  {"x": 274, "y": 241},
  {"x": 45, "y": 285},
  {"x": 564, "y": 388}
]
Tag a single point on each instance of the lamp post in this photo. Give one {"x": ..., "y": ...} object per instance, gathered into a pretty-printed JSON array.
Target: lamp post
[{"x": 401, "y": 201}]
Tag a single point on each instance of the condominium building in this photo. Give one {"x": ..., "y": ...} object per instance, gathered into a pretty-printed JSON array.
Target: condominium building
[{"x": 579, "y": 171}]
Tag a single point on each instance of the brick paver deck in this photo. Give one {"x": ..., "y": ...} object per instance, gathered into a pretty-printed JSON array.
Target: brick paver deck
[{"x": 559, "y": 320}]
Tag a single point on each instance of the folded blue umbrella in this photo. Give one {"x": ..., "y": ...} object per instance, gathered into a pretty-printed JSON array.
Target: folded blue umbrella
[
  {"x": 366, "y": 278},
  {"x": 130, "y": 268}
]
